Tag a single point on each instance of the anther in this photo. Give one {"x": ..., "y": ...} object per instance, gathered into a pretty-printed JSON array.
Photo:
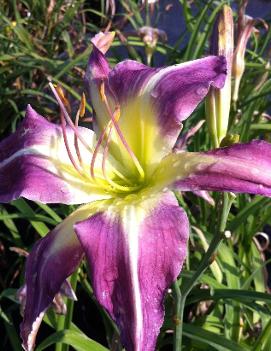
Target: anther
[
  {"x": 119, "y": 132},
  {"x": 82, "y": 108},
  {"x": 102, "y": 91},
  {"x": 62, "y": 96},
  {"x": 68, "y": 118}
]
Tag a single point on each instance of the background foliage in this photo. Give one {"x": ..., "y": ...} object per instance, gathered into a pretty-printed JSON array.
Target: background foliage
[{"x": 229, "y": 307}]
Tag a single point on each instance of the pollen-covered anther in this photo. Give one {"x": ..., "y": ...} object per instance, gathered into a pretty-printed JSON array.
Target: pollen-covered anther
[
  {"x": 62, "y": 96},
  {"x": 82, "y": 108},
  {"x": 102, "y": 91},
  {"x": 59, "y": 94}
]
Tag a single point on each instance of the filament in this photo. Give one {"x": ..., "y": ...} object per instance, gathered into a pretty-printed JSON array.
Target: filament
[
  {"x": 106, "y": 136},
  {"x": 76, "y": 146},
  {"x": 80, "y": 113},
  {"x": 68, "y": 118},
  {"x": 95, "y": 153},
  {"x": 108, "y": 130},
  {"x": 119, "y": 132},
  {"x": 63, "y": 126},
  {"x": 105, "y": 154}
]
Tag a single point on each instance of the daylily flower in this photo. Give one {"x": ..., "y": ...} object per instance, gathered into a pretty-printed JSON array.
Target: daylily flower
[{"x": 130, "y": 226}]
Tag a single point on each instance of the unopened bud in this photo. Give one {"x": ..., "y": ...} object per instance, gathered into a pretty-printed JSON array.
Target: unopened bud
[
  {"x": 219, "y": 100},
  {"x": 246, "y": 26},
  {"x": 150, "y": 38},
  {"x": 238, "y": 66}
]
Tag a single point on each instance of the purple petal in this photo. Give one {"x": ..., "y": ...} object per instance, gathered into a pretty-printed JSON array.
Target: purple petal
[
  {"x": 58, "y": 303},
  {"x": 153, "y": 101},
  {"x": 177, "y": 91},
  {"x": 98, "y": 67},
  {"x": 173, "y": 91},
  {"x": 128, "y": 78},
  {"x": 205, "y": 196},
  {"x": 50, "y": 262},
  {"x": 67, "y": 290},
  {"x": 134, "y": 257},
  {"x": 34, "y": 164},
  {"x": 243, "y": 168},
  {"x": 183, "y": 139}
]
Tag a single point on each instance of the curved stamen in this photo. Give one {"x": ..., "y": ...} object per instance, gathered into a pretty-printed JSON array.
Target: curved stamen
[
  {"x": 95, "y": 153},
  {"x": 114, "y": 185},
  {"x": 110, "y": 181},
  {"x": 63, "y": 127},
  {"x": 76, "y": 146},
  {"x": 119, "y": 132},
  {"x": 68, "y": 118},
  {"x": 80, "y": 113}
]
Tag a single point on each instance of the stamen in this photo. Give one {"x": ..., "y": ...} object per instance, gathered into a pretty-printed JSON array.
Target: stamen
[
  {"x": 68, "y": 118},
  {"x": 102, "y": 91},
  {"x": 59, "y": 95},
  {"x": 82, "y": 106},
  {"x": 63, "y": 97},
  {"x": 106, "y": 149},
  {"x": 63, "y": 126},
  {"x": 95, "y": 153},
  {"x": 119, "y": 132},
  {"x": 76, "y": 146},
  {"x": 80, "y": 113},
  {"x": 105, "y": 154}
]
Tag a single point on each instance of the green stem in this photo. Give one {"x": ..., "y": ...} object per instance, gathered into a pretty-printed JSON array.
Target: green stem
[
  {"x": 70, "y": 303},
  {"x": 60, "y": 326},
  {"x": 148, "y": 22},
  {"x": 64, "y": 322},
  {"x": 180, "y": 296},
  {"x": 177, "y": 341}
]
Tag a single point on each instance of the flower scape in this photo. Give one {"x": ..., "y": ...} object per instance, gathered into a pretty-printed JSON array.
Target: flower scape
[{"x": 122, "y": 173}]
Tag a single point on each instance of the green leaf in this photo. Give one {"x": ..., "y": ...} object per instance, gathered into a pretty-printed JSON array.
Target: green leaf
[
  {"x": 26, "y": 210},
  {"x": 79, "y": 341},
  {"x": 192, "y": 42},
  {"x": 252, "y": 207},
  {"x": 211, "y": 339},
  {"x": 263, "y": 342},
  {"x": 239, "y": 295}
]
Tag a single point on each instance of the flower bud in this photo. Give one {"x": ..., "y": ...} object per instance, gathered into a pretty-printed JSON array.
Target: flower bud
[
  {"x": 219, "y": 100},
  {"x": 150, "y": 37},
  {"x": 246, "y": 26},
  {"x": 238, "y": 67}
]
